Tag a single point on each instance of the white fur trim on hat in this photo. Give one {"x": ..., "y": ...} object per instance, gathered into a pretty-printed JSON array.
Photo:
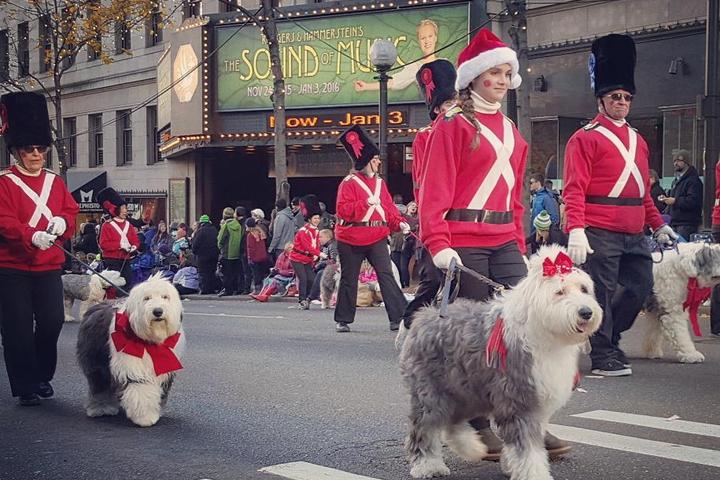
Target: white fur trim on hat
[{"x": 471, "y": 69}]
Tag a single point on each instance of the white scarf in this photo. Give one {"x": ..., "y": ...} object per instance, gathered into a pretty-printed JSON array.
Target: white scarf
[
  {"x": 27, "y": 172},
  {"x": 618, "y": 123},
  {"x": 483, "y": 106}
]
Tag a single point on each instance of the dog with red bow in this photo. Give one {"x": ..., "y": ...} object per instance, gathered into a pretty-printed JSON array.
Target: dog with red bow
[
  {"x": 129, "y": 353},
  {"x": 513, "y": 359}
]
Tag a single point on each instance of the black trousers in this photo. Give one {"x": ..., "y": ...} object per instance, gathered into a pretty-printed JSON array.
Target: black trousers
[
  {"x": 315, "y": 288},
  {"x": 619, "y": 259},
  {"x": 206, "y": 271},
  {"x": 259, "y": 272},
  {"x": 715, "y": 311},
  {"x": 184, "y": 290},
  {"x": 305, "y": 277},
  {"x": 122, "y": 266},
  {"x": 503, "y": 264},
  {"x": 31, "y": 317},
  {"x": 431, "y": 279},
  {"x": 233, "y": 278},
  {"x": 246, "y": 275},
  {"x": 351, "y": 257},
  {"x": 684, "y": 230}
]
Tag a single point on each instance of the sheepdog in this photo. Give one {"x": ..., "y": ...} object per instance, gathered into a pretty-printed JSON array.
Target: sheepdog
[
  {"x": 329, "y": 283},
  {"x": 512, "y": 359},
  {"x": 129, "y": 353},
  {"x": 669, "y": 309},
  {"x": 89, "y": 289}
]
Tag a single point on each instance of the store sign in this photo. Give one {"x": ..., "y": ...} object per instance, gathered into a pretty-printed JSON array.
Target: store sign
[
  {"x": 326, "y": 61},
  {"x": 396, "y": 118},
  {"x": 164, "y": 84}
]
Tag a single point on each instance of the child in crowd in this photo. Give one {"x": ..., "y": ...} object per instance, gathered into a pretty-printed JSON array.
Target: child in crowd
[
  {"x": 258, "y": 259},
  {"x": 279, "y": 278},
  {"x": 368, "y": 287},
  {"x": 186, "y": 280},
  {"x": 329, "y": 247},
  {"x": 306, "y": 249}
]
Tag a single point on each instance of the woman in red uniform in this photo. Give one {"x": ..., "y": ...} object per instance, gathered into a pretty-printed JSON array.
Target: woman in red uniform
[
  {"x": 118, "y": 239},
  {"x": 306, "y": 249},
  {"x": 366, "y": 215},
  {"x": 471, "y": 206},
  {"x": 36, "y": 209}
]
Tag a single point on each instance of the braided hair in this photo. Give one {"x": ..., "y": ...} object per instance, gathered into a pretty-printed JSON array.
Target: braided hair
[{"x": 465, "y": 102}]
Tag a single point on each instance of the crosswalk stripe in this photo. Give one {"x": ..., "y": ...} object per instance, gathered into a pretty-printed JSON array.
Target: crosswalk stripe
[
  {"x": 642, "y": 446},
  {"x": 681, "y": 426},
  {"x": 231, "y": 315},
  {"x": 310, "y": 471}
]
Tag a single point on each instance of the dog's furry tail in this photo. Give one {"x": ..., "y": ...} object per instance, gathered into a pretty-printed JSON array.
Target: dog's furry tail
[
  {"x": 400, "y": 337},
  {"x": 465, "y": 442}
]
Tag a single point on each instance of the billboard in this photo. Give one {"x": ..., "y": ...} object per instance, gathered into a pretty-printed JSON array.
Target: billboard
[{"x": 326, "y": 61}]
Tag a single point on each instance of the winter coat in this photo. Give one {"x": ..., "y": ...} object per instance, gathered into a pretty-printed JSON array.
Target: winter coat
[
  {"x": 688, "y": 194},
  {"x": 88, "y": 240},
  {"x": 160, "y": 240},
  {"x": 283, "y": 266},
  {"x": 299, "y": 220},
  {"x": 256, "y": 251},
  {"x": 204, "y": 242},
  {"x": 230, "y": 240},
  {"x": 283, "y": 230},
  {"x": 187, "y": 277},
  {"x": 544, "y": 200},
  {"x": 655, "y": 192}
]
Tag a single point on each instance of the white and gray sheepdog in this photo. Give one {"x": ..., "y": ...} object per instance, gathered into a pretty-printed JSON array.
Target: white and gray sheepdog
[
  {"x": 129, "y": 353},
  {"x": 665, "y": 315},
  {"x": 89, "y": 289},
  {"x": 329, "y": 284},
  {"x": 455, "y": 369}
]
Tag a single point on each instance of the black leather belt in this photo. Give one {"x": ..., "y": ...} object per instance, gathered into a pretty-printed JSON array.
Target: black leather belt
[
  {"x": 373, "y": 223},
  {"x": 623, "y": 202},
  {"x": 307, "y": 254},
  {"x": 479, "y": 216}
]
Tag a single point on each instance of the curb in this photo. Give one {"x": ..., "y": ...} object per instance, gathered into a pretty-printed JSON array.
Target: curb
[{"x": 236, "y": 298}]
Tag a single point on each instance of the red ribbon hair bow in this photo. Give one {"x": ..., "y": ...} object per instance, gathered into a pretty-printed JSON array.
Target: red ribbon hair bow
[
  {"x": 354, "y": 140},
  {"x": 561, "y": 266},
  {"x": 163, "y": 358},
  {"x": 427, "y": 79}
]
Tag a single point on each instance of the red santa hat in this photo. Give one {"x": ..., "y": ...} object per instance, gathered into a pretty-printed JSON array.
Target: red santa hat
[{"x": 484, "y": 52}]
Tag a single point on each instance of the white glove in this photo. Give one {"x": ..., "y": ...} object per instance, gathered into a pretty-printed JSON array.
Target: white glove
[
  {"x": 43, "y": 240},
  {"x": 443, "y": 257},
  {"x": 373, "y": 200},
  {"x": 323, "y": 255},
  {"x": 665, "y": 235},
  {"x": 125, "y": 245},
  {"x": 578, "y": 246},
  {"x": 404, "y": 228},
  {"x": 57, "y": 226}
]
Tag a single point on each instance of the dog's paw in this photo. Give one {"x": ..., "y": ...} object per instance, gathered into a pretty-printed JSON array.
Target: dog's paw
[
  {"x": 70, "y": 318},
  {"x": 146, "y": 420},
  {"x": 101, "y": 410},
  {"x": 429, "y": 468},
  {"x": 653, "y": 353},
  {"x": 691, "y": 357}
]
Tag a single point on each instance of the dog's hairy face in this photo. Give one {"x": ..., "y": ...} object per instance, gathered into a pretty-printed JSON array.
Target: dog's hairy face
[
  {"x": 707, "y": 265},
  {"x": 155, "y": 309},
  {"x": 564, "y": 303}
]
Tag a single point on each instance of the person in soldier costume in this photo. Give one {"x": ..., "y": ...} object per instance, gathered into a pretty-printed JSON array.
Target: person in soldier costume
[
  {"x": 119, "y": 240},
  {"x": 36, "y": 211}
]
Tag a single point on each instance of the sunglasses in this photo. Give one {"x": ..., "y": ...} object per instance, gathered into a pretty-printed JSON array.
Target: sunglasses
[
  {"x": 620, "y": 96},
  {"x": 28, "y": 149}
]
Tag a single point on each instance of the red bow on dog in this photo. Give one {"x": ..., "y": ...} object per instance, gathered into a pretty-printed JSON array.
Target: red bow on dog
[
  {"x": 561, "y": 266},
  {"x": 696, "y": 296},
  {"x": 496, "y": 350},
  {"x": 162, "y": 356}
]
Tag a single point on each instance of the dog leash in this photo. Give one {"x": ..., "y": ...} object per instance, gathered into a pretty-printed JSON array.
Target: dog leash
[
  {"x": 120, "y": 289},
  {"x": 449, "y": 293},
  {"x": 656, "y": 247}
]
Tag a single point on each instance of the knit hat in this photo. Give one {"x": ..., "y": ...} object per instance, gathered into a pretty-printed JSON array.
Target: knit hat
[
  {"x": 310, "y": 206},
  {"x": 359, "y": 146},
  {"x": 24, "y": 119},
  {"x": 228, "y": 212},
  {"x": 250, "y": 222},
  {"x": 612, "y": 64},
  {"x": 437, "y": 83},
  {"x": 257, "y": 212},
  {"x": 484, "y": 52},
  {"x": 204, "y": 219},
  {"x": 542, "y": 221},
  {"x": 110, "y": 201},
  {"x": 682, "y": 155}
]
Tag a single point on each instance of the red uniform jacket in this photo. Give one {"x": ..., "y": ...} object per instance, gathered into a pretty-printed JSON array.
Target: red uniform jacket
[
  {"x": 110, "y": 240},
  {"x": 595, "y": 167},
  {"x": 16, "y": 212},
  {"x": 418, "y": 164},
  {"x": 716, "y": 209},
  {"x": 459, "y": 177},
  {"x": 352, "y": 207},
  {"x": 306, "y": 245}
]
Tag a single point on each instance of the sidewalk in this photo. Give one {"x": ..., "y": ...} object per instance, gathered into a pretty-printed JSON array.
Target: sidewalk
[{"x": 236, "y": 298}]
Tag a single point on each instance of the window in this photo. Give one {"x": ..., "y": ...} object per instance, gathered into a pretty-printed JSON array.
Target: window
[
  {"x": 154, "y": 28},
  {"x": 153, "y": 143},
  {"x": 95, "y": 138},
  {"x": 44, "y": 43},
  {"x": 4, "y": 55},
  {"x": 681, "y": 130},
  {"x": 123, "y": 125},
  {"x": 69, "y": 132},
  {"x": 95, "y": 44},
  {"x": 23, "y": 51},
  {"x": 191, "y": 8},
  {"x": 122, "y": 38}
]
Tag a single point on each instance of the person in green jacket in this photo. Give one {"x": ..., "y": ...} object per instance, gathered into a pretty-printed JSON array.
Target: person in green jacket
[{"x": 230, "y": 241}]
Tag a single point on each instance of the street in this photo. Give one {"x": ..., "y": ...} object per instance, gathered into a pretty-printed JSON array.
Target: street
[{"x": 267, "y": 384}]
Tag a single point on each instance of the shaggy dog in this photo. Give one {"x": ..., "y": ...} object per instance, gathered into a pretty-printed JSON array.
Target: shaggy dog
[
  {"x": 666, "y": 315},
  {"x": 89, "y": 289},
  {"x": 329, "y": 283},
  {"x": 129, "y": 354},
  {"x": 512, "y": 359}
]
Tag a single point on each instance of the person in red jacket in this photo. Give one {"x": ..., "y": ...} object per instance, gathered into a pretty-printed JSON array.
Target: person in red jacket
[
  {"x": 608, "y": 204},
  {"x": 471, "y": 204},
  {"x": 715, "y": 300},
  {"x": 118, "y": 238},
  {"x": 306, "y": 249},
  {"x": 366, "y": 215},
  {"x": 36, "y": 210}
]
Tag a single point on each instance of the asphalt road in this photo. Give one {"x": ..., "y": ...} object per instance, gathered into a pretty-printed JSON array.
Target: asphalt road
[{"x": 265, "y": 384}]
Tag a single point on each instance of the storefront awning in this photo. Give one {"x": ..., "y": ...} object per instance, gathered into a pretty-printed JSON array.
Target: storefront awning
[{"x": 85, "y": 186}]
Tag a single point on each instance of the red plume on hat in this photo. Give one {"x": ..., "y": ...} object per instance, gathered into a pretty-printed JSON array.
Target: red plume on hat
[
  {"x": 110, "y": 201},
  {"x": 484, "y": 52},
  {"x": 359, "y": 146}
]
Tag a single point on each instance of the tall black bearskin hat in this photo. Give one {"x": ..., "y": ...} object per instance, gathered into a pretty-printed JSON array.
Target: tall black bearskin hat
[
  {"x": 437, "y": 83},
  {"x": 612, "y": 64},
  {"x": 110, "y": 201},
  {"x": 359, "y": 146},
  {"x": 24, "y": 119},
  {"x": 310, "y": 206}
]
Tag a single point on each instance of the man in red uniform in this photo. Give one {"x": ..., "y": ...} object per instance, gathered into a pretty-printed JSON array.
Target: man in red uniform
[
  {"x": 715, "y": 302},
  {"x": 366, "y": 215},
  {"x": 437, "y": 83},
  {"x": 36, "y": 209},
  {"x": 118, "y": 239},
  {"x": 607, "y": 193}
]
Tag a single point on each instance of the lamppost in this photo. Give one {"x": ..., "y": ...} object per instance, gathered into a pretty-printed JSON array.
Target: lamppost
[{"x": 383, "y": 55}]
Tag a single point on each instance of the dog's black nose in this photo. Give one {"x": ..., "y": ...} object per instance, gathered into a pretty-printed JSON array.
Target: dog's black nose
[
  {"x": 585, "y": 313},
  {"x": 158, "y": 312}
]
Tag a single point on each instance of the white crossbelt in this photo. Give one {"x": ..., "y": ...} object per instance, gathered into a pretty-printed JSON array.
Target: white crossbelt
[
  {"x": 373, "y": 208},
  {"x": 628, "y": 155},
  {"x": 123, "y": 232},
  {"x": 501, "y": 168},
  {"x": 40, "y": 201}
]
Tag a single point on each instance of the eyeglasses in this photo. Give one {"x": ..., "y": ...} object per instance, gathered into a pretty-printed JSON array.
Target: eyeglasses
[
  {"x": 620, "y": 96},
  {"x": 28, "y": 149}
]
